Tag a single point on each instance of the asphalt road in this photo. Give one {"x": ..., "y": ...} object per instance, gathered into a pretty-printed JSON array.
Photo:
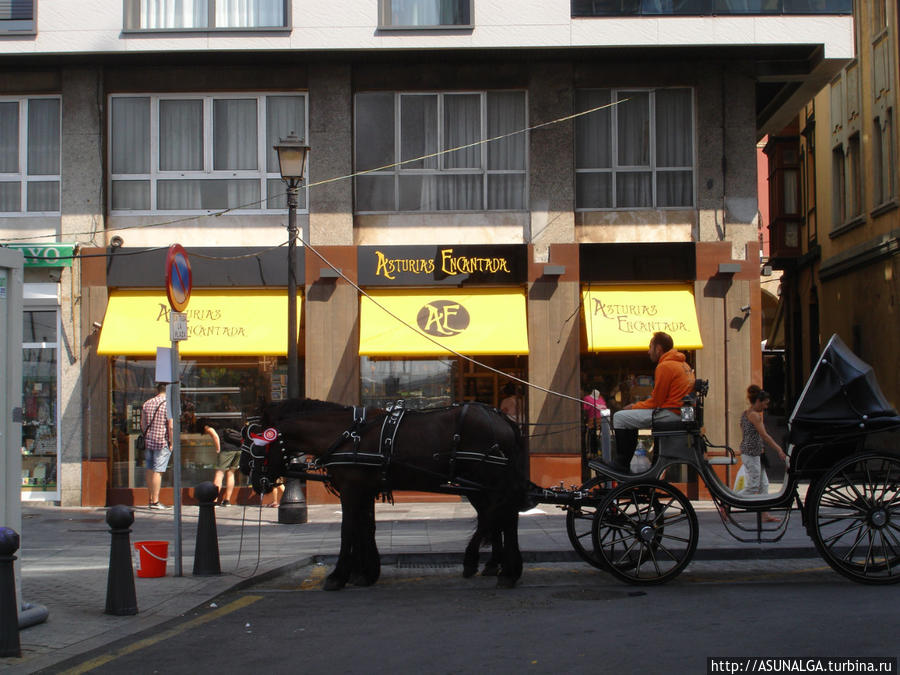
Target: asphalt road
[{"x": 563, "y": 617}]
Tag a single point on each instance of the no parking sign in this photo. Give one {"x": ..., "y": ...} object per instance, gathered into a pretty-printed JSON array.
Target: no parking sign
[{"x": 178, "y": 277}]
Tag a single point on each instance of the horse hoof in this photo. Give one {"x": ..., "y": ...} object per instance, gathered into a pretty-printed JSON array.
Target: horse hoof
[
  {"x": 332, "y": 584},
  {"x": 505, "y": 582},
  {"x": 469, "y": 571},
  {"x": 490, "y": 570}
]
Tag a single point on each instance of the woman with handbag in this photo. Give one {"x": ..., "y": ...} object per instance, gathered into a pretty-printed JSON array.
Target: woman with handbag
[{"x": 754, "y": 434}]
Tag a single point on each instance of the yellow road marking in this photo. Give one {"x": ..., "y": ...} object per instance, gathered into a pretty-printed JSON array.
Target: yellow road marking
[
  {"x": 315, "y": 578},
  {"x": 240, "y": 603}
]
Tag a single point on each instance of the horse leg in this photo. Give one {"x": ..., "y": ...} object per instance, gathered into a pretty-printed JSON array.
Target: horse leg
[
  {"x": 341, "y": 573},
  {"x": 492, "y": 566},
  {"x": 470, "y": 557},
  {"x": 367, "y": 561},
  {"x": 511, "y": 567}
]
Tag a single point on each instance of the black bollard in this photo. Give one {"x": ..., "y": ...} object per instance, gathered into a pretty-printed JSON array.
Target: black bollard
[
  {"x": 9, "y": 612},
  {"x": 292, "y": 509},
  {"x": 206, "y": 552},
  {"x": 121, "y": 599}
]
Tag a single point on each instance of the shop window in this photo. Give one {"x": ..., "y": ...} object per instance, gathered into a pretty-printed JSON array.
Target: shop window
[
  {"x": 29, "y": 156},
  {"x": 423, "y": 151},
  {"x": 39, "y": 410},
  {"x": 225, "y": 391},
  {"x": 189, "y": 153},
  {"x": 204, "y": 14},
  {"x": 424, "y": 13},
  {"x": 17, "y": 16},
  {"x": 433, "y": 383},
  {"x": 635, "y": 150}
]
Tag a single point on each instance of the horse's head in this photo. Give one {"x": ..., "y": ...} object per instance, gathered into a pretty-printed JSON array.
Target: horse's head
[{"x": 263, "y": 457}]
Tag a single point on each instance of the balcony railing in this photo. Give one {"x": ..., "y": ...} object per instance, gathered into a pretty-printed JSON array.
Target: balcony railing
[{"x": 708, "y": 7}]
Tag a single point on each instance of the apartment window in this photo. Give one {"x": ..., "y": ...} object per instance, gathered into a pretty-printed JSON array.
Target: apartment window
[
  {"x": 636, "y": 150},
  {"x": 424, "y": 13},
  {"x": 707, "y": 7},
  {"x": 854, "y": 177},
  {"x": 883, "y": 158},
  {"x": 838, "y": 187},
  {"x": 17, "y": 16},
  {"x": 199, "y": 152},
  {"x": 423, "y": 151},
  {"x": 204, "y": 14},
  {"x": 29, "y": 155}
]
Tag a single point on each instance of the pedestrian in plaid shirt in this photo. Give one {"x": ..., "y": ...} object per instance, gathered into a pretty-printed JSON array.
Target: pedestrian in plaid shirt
[{"x": 156, "y": 425}]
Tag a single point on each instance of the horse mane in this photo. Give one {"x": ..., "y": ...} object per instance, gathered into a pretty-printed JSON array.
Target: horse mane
[{"x": 278, "y": 410}]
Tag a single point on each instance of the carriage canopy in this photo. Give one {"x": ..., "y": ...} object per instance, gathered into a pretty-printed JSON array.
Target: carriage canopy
[{"x": 841, "y": 395}]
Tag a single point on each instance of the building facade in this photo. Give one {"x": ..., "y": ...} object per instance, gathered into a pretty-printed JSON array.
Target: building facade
[
  {"x": 837, "y": 241},
  {"x": 543, "y": 184}
]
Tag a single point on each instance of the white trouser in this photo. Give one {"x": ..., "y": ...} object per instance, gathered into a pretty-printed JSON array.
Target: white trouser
[
  {"x": 757, "y": 480},
  {"x": 643, "y": 418}
]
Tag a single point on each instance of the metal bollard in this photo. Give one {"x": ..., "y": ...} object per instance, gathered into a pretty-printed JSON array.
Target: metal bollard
[
  {"x": 121, "y": 599},
  {"x": 9, "y": 614},
  {"x": 206, "y": 551},
  {"x": 292, "y": 509}
]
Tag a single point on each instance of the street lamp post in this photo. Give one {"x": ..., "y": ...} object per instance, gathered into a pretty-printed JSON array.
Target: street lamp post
[{"x": 292, "y": 155}]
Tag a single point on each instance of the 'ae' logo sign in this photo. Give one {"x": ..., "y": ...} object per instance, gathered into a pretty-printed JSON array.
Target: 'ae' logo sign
[{"x": 443, "y": 318}]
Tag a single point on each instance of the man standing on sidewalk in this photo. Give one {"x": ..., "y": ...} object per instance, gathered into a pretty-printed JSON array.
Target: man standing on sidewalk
[{"x": 156, "y": 425}]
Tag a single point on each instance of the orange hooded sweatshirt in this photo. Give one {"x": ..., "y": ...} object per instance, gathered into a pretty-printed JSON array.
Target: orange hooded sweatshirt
[{"x": 674, "y": 380}]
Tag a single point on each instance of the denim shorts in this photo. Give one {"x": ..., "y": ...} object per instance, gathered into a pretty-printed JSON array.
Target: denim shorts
[{"x": 157, "y": 460}]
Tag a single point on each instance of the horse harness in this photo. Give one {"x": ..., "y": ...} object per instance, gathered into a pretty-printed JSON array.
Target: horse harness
[{"x": 345, "y": 450}]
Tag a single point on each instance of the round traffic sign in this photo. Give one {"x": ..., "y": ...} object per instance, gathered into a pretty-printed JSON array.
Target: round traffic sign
[{"x": 178, "y": 277}]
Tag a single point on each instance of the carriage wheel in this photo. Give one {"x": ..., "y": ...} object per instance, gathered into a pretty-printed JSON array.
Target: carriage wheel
[
  {"x": 580, "y": 520},
  {"x": 645, "y": 532},
  {"x": 855, "y": 518}
]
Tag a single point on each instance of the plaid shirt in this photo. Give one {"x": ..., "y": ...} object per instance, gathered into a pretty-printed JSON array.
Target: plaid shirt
[{"x": 154, "y": 422}]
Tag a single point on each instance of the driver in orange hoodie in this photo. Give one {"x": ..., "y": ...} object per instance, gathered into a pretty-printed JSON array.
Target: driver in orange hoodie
[{"x": 673, "y": 380}]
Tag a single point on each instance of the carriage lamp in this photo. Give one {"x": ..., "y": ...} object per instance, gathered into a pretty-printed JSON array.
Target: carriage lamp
[{"x": 292, "y": 154}]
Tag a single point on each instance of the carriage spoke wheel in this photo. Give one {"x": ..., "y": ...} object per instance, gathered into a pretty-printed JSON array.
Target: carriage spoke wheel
[
  {"x": 645, "y": 532},
  {"x": 855, "y": 518},
  {"x": 579, "y": 521}
]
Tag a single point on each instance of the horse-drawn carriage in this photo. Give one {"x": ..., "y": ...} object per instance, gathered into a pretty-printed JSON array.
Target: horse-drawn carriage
[{"x": 640, "y": 528}]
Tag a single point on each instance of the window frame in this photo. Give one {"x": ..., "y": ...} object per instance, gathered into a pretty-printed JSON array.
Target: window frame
[
  {"x": 384, "y": 24},
  {"x": 156, "y": 175},
  {"x": 29, "y": 25},
  {"x": 131, "y": 13},
  {"x": 615, "y": 168},
  {"x": 397, "y": 170},
  {"x": 22, "y": 176}
]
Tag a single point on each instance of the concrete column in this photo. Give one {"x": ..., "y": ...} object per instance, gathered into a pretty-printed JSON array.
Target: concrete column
[
  {"x": 552, "y": 168},
  {"x": 81, "y": 206},
  {"x": 554, "y": 357},
  {"x": 331, "y": 155}
]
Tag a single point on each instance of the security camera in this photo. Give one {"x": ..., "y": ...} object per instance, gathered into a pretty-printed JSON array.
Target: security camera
[
  {"x": 745, "y": 309},
  {"x": 97, "y": 325},
  {"x": 116, "y": 241}
]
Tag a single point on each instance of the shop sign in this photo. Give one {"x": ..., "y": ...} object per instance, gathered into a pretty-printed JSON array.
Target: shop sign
[
  {"x": 46, "y": 255},
  {"x": 443, "y": 265}
]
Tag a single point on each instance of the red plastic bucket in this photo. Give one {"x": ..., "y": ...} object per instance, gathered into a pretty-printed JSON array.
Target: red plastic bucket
[{"x": 151, "y": 558}]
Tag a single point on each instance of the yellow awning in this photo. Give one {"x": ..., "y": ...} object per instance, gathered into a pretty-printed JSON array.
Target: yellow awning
[
  {"x": 470, "y": 321},
  {"x": 621, "y": 318},
  {"x": 220, "y": 323}
]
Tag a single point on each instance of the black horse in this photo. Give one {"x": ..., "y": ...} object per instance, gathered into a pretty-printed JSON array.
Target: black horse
[{"x": 468, "y": 449}]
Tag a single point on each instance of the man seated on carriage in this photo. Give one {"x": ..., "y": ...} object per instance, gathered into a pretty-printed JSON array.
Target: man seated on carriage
[{"x": 673, "y": 380}]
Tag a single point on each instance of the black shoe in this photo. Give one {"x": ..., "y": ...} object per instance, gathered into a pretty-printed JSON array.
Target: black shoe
[{"x": 224, "y": 502}]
